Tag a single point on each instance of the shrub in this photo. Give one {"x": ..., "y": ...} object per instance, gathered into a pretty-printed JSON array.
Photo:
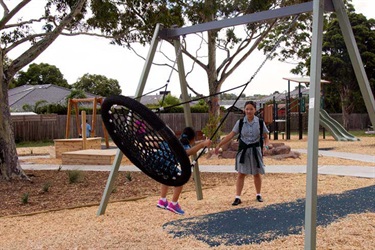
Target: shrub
[
  {"x": 129, "y": 176},
  {"x": 46, "y": 187},
  {"x": 25, "y": 198},
  {"x": 74, "y": 176}
]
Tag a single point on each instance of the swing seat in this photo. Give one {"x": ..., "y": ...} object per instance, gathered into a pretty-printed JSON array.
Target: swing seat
[{"x": 146, "y": 140}]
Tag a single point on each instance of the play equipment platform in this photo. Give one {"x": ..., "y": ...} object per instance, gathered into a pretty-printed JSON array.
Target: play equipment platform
[
  {"x": 89, "y": 157},
  {"x": 74, "y": 144}
]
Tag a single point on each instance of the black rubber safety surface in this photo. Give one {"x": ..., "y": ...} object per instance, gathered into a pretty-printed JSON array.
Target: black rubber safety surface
[{"x": 245, "y": 226}]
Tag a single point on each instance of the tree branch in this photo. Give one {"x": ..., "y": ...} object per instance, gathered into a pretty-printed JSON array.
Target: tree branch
[
  {"x": 19, "y": 42},
  {"x": 5, "y": 7},
  {"x": 25, "y": 22},
  {"x": 225, "y": 74},
  {"x": 35, "y": 50},
  {"x": 11, "y": 14}
]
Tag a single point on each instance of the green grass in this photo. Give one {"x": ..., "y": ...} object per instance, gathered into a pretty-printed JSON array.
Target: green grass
[
  {"x": 361, "y": 133},
  {"x": 26, "y": 144}
]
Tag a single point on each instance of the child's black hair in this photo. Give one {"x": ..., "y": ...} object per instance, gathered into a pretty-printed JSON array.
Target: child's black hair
[{"x": 187, "y": 135}]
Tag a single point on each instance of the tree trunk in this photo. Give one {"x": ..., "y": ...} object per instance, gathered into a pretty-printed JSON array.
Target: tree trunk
[
  {"x": 9, "y": 165},
  {"x": 346, "y": 105}
]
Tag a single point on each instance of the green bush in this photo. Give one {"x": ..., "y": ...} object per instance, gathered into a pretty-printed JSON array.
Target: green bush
[
  {"x": 129, "y": 176},
  {"x": 46, "y": 187},
  {"x": 25, "y": 198},
  {"x": 211, "y": 127},
  {"x": 74, "y": 176}
]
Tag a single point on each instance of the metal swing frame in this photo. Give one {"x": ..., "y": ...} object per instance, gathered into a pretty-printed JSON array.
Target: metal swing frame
[{"x": 317, "y": 7}]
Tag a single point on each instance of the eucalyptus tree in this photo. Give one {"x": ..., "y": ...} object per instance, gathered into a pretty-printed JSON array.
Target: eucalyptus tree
[{"x": 31, "y": 36}]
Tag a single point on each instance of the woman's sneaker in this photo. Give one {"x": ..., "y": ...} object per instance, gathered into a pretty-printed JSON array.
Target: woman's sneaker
[
  {"x": 175, "y": 208},
  {"x": 162, "y": 204},
  {"x": 236, "y": 202},
  {"x": 259, "y": 198}
]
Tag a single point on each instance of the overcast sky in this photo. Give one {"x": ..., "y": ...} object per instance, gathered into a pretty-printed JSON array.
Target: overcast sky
[{"x": 76, "y": 56}]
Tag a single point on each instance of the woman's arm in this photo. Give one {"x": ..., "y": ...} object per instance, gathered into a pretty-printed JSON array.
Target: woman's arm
[
  {"x": 266, "y": 140},
  {"x": 225, "y": 141}
]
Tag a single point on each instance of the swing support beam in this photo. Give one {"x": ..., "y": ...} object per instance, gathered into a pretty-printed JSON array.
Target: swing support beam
[{"x": 317, "y": 7}]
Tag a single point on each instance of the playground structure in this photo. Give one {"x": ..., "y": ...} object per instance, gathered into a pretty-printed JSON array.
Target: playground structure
[
  {"x": 273, "y": 115},
  {"x": 335, "y": 128},
  {"x": 74, "y": 103},
  {"x": 317, "y": 7},
  {"x": 83, "y": 150}
]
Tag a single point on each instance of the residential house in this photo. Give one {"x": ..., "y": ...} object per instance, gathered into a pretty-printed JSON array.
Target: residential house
[{"x": 31, "y": 94}]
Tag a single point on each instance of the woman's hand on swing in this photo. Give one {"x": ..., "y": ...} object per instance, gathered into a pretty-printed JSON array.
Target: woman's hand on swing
[{"x": 206, "y": 143}]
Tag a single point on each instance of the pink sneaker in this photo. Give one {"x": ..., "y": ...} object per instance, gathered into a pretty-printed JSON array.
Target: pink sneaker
[
  {"x": 175, "y": 208},
  {"x": 162, "y": 204}
]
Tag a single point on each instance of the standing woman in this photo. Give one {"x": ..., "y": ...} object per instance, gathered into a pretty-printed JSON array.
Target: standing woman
[{"x": 249, "y": 157}]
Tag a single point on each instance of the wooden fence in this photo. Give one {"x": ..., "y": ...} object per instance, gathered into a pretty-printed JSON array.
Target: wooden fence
[{"x": 51, "y": 126}]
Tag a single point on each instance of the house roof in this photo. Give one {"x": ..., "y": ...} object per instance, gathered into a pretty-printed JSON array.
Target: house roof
[
  {"x": 305, "y": 79},
  {"x": 229, "y": 103},
  {"x": 30, "y": 94},
  {"x": 150, "y": 99},
  {"x": 156, "y": 99}
]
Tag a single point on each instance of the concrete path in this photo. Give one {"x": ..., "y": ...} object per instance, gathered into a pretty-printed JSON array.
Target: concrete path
[
  {"x": 358, "y": 171},
  {"x": 343, "y": 155}
]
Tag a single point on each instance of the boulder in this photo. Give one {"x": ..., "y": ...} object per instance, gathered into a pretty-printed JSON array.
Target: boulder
[{"x": 229, "y": 151}]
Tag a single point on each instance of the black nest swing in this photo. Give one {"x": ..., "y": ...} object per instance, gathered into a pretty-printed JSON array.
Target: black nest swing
[{"x": 146, "y": 140}]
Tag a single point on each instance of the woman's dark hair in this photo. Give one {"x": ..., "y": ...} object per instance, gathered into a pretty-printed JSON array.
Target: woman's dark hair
[
  {"x": 187, "y": 135},
  {"x": 252, "y": 103}
]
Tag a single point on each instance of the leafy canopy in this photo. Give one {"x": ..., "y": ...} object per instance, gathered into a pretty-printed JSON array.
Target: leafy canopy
[
  {"x": 43, "y": 73},
  {"x": 98, "y": 85}
]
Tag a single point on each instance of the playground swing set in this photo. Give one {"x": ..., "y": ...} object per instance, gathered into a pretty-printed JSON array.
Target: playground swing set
[{"x": 318, "y": 7}]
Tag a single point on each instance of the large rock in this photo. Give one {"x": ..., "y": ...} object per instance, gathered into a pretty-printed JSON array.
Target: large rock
[
  {"x": 229, "y": 154},
  {"x": 229, "y": 151},
  {"x": 279, "y": 150}
]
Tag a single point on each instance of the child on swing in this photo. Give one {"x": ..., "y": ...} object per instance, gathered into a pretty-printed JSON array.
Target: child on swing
[{"x": 188, "y": 140}]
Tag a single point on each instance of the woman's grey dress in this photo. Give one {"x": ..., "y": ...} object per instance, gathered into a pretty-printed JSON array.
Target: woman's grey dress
[{"x": 250, "y": 134}]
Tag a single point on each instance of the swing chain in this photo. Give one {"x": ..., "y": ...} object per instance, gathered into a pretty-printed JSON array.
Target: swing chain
[{"x": 178, "y": 54}]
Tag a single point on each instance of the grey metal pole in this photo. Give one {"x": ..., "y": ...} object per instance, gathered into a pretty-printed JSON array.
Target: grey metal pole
[
  {"x": 187, "y": 113},
  {"x": 110, "y": 183},
  {"x": 300, "y": 125},
  {"x": 117, "y": 161},
  {"x": 288, "y": 113},
  {"x": 313, "y": 129},
  {"x": 148, "y": 62}
]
